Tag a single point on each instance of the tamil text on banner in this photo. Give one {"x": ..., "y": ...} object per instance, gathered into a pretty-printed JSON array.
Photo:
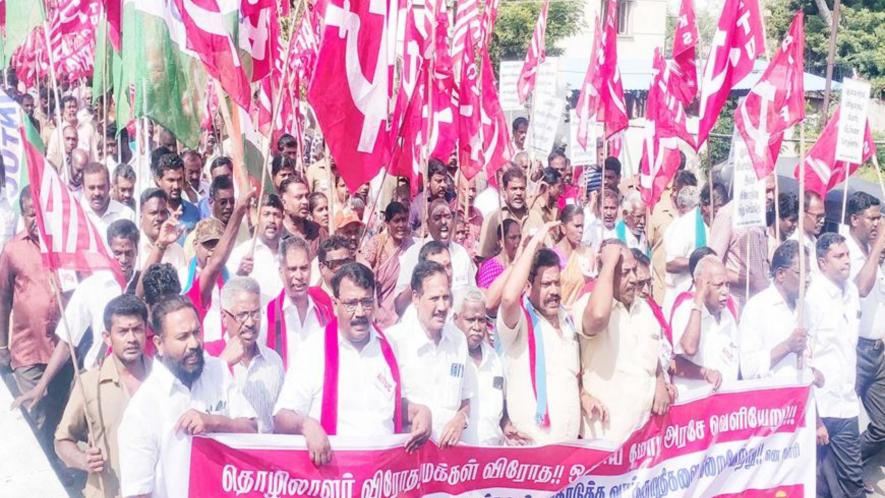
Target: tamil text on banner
[
  {"x": 751, "y": 440},
  {"x": 749, "y": 192}
]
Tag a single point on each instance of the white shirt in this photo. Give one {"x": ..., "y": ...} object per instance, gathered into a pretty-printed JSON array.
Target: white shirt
[
  {"x": 717, "y": 348},
  {"x": 174, "y": 255},
  {"x": 434, "y": 375},
  {"x": 487, "y": 201},
  {"x": 832, "y": 318},
  {"x": 463, "y": 269},
  {"x": 115, "y": 211},
  {"x": 265, "y": 268},
  {"x": 260, "y": 383},
  {"x": 679, "y": 242},
  {"x": 85, "y": 310},
  {"x": 594, "y": 230},
  {"x": 767, "y": 321},
  {"x": 296, "y": 331},
  {"x": 872, "y": 307},
  {"x": 152, "y": 456},
  {"x": 487, "y": 404},
  {"x": 366, "y": 391}
]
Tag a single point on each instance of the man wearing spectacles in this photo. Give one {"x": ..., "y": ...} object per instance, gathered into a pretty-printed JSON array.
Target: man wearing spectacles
[
  {"x": 346, "y": 380},
  {"x": 333, "y": 253},
  {"x": 257, "y": 370},
  {"x": 815, "y": 216}
]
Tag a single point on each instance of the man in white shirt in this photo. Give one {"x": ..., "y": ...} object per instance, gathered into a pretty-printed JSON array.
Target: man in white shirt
[
  {"x": 815, "y": 216},
  {"x": 520, "y": 131},
  {"x": 602, "y": 227},
  {"x": 832, "y": 310},
  {"x": 262, "y": 263},
  {"x": 631, "y": 229},
  {"x": 154, "y": 213},
  {"x": 439, "y": 226},
  {"x": 771, "y": 339},
  {"x": 293, "y": 315},
  {"x": 257, "y": 370},
  {"x": 350, "y": 390},
  {"x": 123, "y": 191},
  {"x": 100, "y": 208},
  {"x": 705, "y": 331},
  {"x": 488, "y": 421},
  {"x": 187, "y": 393},
  {"x": 84, "y": 312},
  {"x": 543, "y": 403},
  {"x": 432, "y": 354},
  {"x": 866, "y": 244}
]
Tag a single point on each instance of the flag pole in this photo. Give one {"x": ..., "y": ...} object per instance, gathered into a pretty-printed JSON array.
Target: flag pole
[
  {"x": 831, "y": 56},
  {"x": 274, "y": 115},
  {"x": 800, "y": 305},
  {"x": 58, "y": 124},
  {"x": 90, "y": 426},
  {"x": 879, "y": 174}
]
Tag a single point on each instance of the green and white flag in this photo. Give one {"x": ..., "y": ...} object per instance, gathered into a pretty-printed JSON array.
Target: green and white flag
[{"x": 21, "y": 17}]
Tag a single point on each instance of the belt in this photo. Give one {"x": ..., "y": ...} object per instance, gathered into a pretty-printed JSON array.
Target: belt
[{"x": 876, "y": 344}]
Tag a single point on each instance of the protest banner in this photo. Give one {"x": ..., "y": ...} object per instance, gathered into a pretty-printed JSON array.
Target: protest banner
[
  {"x": 11, "y": 147},
  {"x": 750, "y": 440},
  {"x": 749, "y": 191},
  {"x": 547, "y": 108},
  {"x": 579, "y": 155},
  {"x": 508, "y": 74},
  {"x": 852, "y": 121}
]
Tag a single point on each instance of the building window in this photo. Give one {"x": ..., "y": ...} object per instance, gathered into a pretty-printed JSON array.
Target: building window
[{"x": 624, "y": 10}]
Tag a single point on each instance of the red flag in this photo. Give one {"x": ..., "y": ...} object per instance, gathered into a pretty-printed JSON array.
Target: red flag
[
  {"x": 822, "y": 171},
  {"x": 113, "y": 12},
  {"x": 68, "y": 239},
  {"x": 736, "y": 44},
  {"x": 469, "y": 115},
  {"x": 259, "y": 34},
  {"x": 612, "y": 107},
  {"x": 534, "y": 56},
  {"x": 407, "y": 158},
  {"x": 775, "y": 103},
  {"x": 467, "y": 30},
  {"x": 354, "y": 56},
  {"x": 207, "y": 35},
  {"x": 497, "y": 148},
  {"x": 685, "y": 42},
  {"x": 588, "y": 99},
  {"x": 489, "y": 15}
]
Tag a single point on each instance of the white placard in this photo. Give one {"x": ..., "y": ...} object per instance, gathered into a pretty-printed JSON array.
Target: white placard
[
  {"x": 547, "y": 107},
  {"x": 508, "y": 75},
  {"x": 579, "y": 155},
  {"x": 852, "y": 120},
  {"x": 749, "y": 191}
]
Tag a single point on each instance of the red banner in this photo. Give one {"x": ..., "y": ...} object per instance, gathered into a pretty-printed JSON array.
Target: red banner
[{"x": 752, "y": 441}]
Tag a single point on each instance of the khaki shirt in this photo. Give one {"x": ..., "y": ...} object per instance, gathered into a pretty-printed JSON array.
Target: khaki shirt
[
  {"x": 561, "y": 357},
  {"x": 488, "y": 236},
  {"x": 106, "y": 400},
  {"x": 664, "y": 214},
  {"x": 621, "y": 359},
  {"x": 320, "y": 178},
  {"x": 538, "y": 216}
]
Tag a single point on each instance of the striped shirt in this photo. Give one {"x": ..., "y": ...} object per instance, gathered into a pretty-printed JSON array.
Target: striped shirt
[{"x": 260, "y": 384}]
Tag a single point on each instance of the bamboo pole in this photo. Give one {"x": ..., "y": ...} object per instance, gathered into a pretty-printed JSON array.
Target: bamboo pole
[
  {"x": 800, "y": 305},
  {"x": 831, "y": 56}
]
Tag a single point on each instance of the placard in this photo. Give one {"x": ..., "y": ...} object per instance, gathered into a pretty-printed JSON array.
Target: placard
[
  {"x": 547, "y": 107},
  {"x": 749, "y": 191},
  {"x": 579, "y": 155},
  {"x": 852, "y": 120},
  {"x": 508, "y": 75}
]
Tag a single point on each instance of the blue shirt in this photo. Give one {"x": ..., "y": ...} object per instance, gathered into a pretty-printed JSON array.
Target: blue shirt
[{"x": 190, "y": 215}]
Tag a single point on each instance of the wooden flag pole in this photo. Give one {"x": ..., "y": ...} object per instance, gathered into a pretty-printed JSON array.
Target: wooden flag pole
[
  {"x": 274, "y": 115},
  {"x": 879, "y": 174},
  {"x": 58, "y": 122},
  {"x": 831, "y": 56},
  {"x": 800, "y": 305},
  {"x": 844, "y": 196},
  {"x": 104, "y": 83}
]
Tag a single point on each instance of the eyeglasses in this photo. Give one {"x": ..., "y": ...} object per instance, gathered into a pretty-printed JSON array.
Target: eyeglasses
[
  {"x": 335, "y": 264},
  {"x": 367, "y": 304},
  {"x": 255, "y": 315}
]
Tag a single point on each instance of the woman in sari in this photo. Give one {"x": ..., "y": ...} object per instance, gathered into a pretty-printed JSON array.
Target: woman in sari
[
  {"x": 381, "y": 253},
  {"x": 575, "y": 260},
  {"x": 493, "y": 267}
]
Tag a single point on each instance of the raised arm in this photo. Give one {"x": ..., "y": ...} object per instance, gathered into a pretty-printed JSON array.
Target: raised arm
[
  {"x": 866, "y": 277},
  {"x": 519, "y": 275},
  {"x": 691, "y": 333},
  {"x": 222, "y": 251},
  {"x": 170, "y": 232},
  {"x": 599, "y": 307}
]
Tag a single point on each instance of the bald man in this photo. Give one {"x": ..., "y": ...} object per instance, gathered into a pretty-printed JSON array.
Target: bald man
[
  {"x": 72, "y": 172},
  {"x": 705, "y": 331}
]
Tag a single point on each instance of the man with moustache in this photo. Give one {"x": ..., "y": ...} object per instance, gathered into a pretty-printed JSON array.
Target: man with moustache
[
  {"x": 620, "y": 349},
  {"x": 169, "y": 176},
  {"x": 124, "y": 185},
  {"x": 513, "y": 181},
  {"x": 298, "y": 311},
  {"x": 221, "y": 202},
  {"x": 154, "y": 216},
  {"x": 333, "y": 253},
  {"x": 440, "y": 227},
  {"x": 489, "y": 425},
  {"x": 296, "y": 219},
  {"x": 432, "y": 354},
  {"x": 542, "y": 391},
  {"x": 437, "y": 188},
  {"x": 832, "y": 310},
  {"x": 187, "y": 393},
  {"x": 100, "y": 208},
  {"x": 815, "y": 216},
  {"x": 102, "y": 398},
  {"x": 705, "y": 334},
  {"x": 84, "y": 312},
  {"x": 347, "y": 380},
  {"x": 257, "y": 370},
  {"x": 259, "y": 260},
  {"x": 602, "y": 227}
]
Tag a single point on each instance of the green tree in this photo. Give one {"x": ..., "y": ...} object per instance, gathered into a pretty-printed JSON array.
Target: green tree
[{"x": 516, "y": 22}]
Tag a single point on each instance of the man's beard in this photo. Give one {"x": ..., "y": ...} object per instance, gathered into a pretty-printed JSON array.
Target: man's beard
[{"x": 180, "y": 372}]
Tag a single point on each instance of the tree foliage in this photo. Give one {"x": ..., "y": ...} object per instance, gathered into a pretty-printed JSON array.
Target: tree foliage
[
  {"x": 516, "y": 21},
  {"x": 860, "y": 41}
]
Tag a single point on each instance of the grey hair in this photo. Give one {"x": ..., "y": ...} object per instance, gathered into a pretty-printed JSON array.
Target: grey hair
[
  {"x": 235, "y": 286},
  {"x": 632, "y": 200},
  {"x": 688, "y": 197},
  {"x": 289, "y": 244},
  {"x": 704, "y": 264},
  {"x": 470, "y": 295}
]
